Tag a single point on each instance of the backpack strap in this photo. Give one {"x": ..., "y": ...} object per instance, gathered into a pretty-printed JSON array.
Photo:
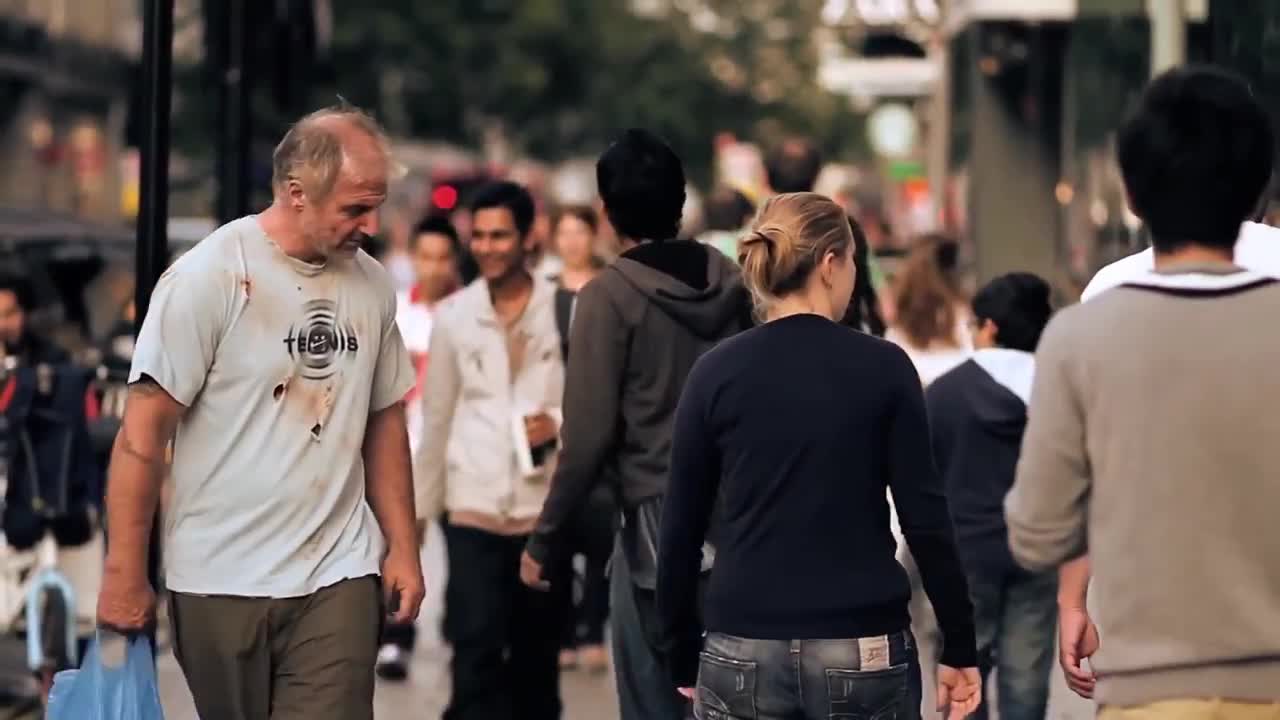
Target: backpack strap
[{"x": 565, "y": 300}]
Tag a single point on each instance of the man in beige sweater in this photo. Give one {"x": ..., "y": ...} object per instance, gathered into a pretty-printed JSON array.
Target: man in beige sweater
[{"x": 1151, "y": 442}]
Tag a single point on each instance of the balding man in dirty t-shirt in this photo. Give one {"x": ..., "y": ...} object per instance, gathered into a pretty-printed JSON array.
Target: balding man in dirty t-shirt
[{"x": 271, "y": 357}]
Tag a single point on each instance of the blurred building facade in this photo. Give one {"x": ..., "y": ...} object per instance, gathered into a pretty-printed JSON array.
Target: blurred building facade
[
  {"x": 65, "y": 77},
  {"x": 1037, "y": 89}
]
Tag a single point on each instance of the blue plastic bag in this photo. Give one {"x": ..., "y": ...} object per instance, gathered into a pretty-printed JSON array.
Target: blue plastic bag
[{"x": 99, "y": 692}]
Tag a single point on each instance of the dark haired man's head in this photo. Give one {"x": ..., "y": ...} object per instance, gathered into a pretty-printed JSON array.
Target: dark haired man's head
[
  {"x": 509, "y": 196},
  {"x": 793, "y": 166},
  {"x": 1197, "y": 156},
  {"x": 1012, "y": 311},
  {"x": 437, "y": 255},
  {"x": 502, "y": 215},
  {"x": 15, "y": 301},
  {"x": 728, "y": 209},
  {"x": 641, "y": 182}
]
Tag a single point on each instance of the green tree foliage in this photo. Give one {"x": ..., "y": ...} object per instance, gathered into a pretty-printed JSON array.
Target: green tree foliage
[{"x": 559, "y": 77}]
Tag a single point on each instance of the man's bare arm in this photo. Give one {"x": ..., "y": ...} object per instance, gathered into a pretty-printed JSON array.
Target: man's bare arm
[
  {"x": 135, "y": 475},
  {"x": 1073, "y": 584},
  {"x": 389, "y": 478}
]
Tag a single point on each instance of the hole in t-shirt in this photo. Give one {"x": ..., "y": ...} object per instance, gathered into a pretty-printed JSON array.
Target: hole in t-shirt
[
  {"x": 278, "y": 392},
  {"x": 315, "y": 431}
]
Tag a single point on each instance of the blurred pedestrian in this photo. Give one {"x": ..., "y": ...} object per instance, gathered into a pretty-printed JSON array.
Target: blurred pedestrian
[
  {"x": 646, "y": 319},
  {"x": 931, "y": 325},
  {"x": 17, "y": 338},
  {"x": 766, "y": 427},
  {"x": 864, "y": 311},
  {"x": 435, "y": 252},
  {"x": 590, "y": 530},
  {"x": 271, "y": 349},
  {"x": 436, "y": 255},
  {"x": 931, "y": 322},
  {"x": 728, "y": 212},
  {"x": 573, "y": 235},
  {"x": 492, "y": 414},
  {"x": 977, "y": 414},
  {"x": 793, "y": 166},
  {"x": 1151, "y": 441}
]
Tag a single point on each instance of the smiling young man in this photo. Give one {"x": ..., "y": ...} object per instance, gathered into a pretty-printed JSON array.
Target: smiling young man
[
  {"x": 270, "y": 357},
  {"x": 492, "y": 407}
]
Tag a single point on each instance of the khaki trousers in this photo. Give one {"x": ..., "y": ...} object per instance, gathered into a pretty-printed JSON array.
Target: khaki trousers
[{"x": 306, "y": 658}]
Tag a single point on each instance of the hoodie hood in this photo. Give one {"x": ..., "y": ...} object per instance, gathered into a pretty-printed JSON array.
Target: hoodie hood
[
  {"x": 697, "y": 287},
  {"x": 1000, "y": 403}
]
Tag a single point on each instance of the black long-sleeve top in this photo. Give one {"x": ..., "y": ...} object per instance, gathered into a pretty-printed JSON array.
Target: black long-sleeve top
[{"x": 798, "y": 427}]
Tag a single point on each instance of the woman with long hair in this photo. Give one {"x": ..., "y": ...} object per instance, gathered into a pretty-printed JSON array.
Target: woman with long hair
[
  {"x": 573, "y": 235},
  {"x": 792, "y": 432},
  {"x": 931, "y": 316}
]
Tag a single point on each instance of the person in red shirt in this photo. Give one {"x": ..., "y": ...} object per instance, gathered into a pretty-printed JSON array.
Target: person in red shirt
[{"x": 435, "y": 252}]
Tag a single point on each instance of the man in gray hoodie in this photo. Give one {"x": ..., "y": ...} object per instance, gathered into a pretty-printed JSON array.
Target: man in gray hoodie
[
  {"x": 637, "y": 330},
  {"x": 1151, "y": 442}
]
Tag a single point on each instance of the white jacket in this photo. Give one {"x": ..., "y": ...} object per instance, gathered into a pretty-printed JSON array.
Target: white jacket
[{"x": 467, "y": 456}]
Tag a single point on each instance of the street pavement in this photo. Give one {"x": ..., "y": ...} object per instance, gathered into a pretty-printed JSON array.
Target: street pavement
[
  {"x": 587, "y": 697},
  {"x": 424, "y": 695}
]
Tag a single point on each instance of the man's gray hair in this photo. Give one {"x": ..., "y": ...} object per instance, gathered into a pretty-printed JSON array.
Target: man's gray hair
[{"x": 312, "y": 152}]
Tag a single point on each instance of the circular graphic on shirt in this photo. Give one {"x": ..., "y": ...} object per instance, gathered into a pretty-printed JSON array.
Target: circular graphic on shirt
[{"x": 319, "y": 340}]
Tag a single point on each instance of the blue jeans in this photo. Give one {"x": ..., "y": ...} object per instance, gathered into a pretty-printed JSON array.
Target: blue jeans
[
  {"x": 1016, "y": 617},
  {"x": 645, "y": 688},
  {"x": 858, "y": 679}
]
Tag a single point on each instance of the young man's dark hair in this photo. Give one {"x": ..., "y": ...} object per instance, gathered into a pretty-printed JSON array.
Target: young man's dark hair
[
  {"x": 793, "y": 166},
  {"x": 1196, "y": 155},
  {"x": 641, "y": 182},
  {"x": 438, "y": 225},
  {"x": 18, "y": 285},
  {"x": 1018, "y": 304},
  {"x": 728, "y": 209},
  {"x": 507, "y": 195}
]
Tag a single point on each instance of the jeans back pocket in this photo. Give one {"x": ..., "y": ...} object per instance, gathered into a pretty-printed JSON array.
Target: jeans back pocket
[
  {"x": 726, "y": 689},
  {"x": 869, "y": 694}
]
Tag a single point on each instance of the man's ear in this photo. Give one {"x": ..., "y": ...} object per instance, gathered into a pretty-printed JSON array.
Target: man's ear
[
  {"x": 990, "y": 330},
  {"x": 297, "y": 195}
]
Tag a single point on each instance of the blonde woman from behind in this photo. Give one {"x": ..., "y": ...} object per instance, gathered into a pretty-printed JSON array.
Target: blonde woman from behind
[{"x": 796, "y": 429}]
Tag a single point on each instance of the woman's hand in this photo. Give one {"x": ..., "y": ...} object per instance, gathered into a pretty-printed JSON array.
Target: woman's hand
[{"x": 959, "y": 691}]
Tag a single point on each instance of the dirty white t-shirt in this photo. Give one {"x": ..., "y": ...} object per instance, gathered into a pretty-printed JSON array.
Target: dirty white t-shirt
[{"x": 280, "y": 363}]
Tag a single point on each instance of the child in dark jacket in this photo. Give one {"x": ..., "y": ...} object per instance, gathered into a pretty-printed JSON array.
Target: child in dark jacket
[{"x": 977, "y": 414}]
